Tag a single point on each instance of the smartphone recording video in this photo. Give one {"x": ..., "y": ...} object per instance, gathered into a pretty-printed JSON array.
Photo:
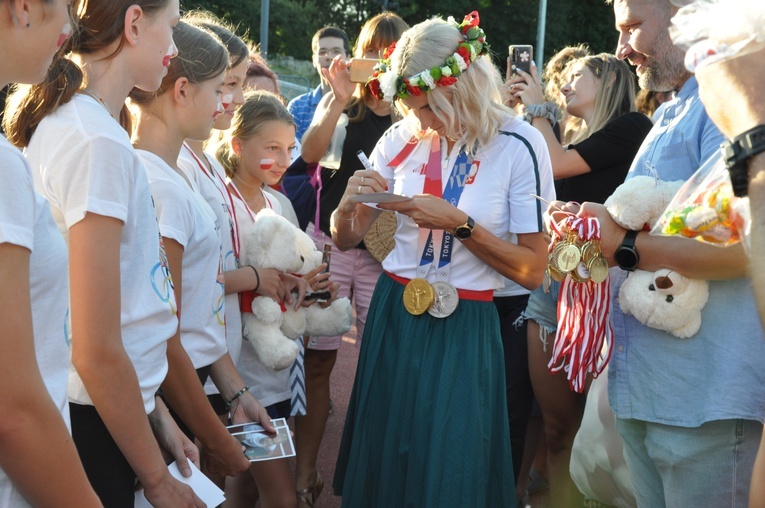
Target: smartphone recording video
[
  {"x": 360, "y": 69},
  {"x": 521, "y": 56}
]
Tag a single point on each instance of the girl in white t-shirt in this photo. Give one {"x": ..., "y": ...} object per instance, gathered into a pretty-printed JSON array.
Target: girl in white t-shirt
[
  {"x": 122, "y": 313},
  {"x": 185, "y": 106},
  {"x": 255, "y": 153},
  {"x": 34, "y": 364}
]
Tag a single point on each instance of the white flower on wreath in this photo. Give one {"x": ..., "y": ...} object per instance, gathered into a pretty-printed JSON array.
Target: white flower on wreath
[
  {"x": 452, "y": 21},
  {"x": 446, "y": 70},
  {"x": 426, "y": 78},
  {"x": 461, "y": 65},
  {"x": 388, "y": 85}
]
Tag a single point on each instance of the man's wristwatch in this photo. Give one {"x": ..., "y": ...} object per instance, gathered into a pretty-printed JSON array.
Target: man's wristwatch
[
  {"x": 464, "y": 231},
  {"x": 737, "y": 152},
  {"x": 626, "y": 256}
]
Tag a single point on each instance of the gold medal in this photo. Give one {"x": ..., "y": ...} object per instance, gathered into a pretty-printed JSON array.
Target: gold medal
[
  {"x": 418, "y": 296},
  {"x": 598, "y": 267},
  {"x": 568, "y": 257},
  {"x": 553, "y": 271},
  {"x": 590, "y": 249}
]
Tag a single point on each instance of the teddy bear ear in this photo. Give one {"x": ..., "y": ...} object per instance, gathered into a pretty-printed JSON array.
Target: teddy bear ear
[{"x": 663, "y": 282}]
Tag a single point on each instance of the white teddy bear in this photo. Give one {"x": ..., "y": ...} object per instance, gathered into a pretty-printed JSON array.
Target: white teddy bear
[
  {"x": 316, "y": 320},
  {"x": 274, "y": 242},
  {"x": 664, "y": 299}
]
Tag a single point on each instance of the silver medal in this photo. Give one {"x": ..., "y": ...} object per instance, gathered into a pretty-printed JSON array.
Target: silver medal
[{"x": 445, "y": 301}]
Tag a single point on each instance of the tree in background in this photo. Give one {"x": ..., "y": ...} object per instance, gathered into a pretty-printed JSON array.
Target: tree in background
[{"x": 293, "y": 22}]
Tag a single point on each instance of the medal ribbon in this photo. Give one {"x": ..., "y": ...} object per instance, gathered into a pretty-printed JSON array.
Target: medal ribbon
[
  {"x": 220, "y": 184},
  {"x": 584, "y": 336},
  {"x": 452, "y": 193}
]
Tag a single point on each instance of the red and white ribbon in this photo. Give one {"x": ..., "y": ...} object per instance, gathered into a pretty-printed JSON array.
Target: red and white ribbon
[{"x": 584, "y": 337}]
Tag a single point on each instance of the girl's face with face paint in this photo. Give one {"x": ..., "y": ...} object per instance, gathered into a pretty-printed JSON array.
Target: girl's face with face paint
[{"x": 264, "y": 157}]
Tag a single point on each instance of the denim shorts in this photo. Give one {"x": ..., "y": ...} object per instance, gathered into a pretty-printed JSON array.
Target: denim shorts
[{"x": 543, "y": 308}]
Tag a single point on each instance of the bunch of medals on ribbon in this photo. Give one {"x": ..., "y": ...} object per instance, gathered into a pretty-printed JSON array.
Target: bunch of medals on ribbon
[{"x": 584, "y": 336}]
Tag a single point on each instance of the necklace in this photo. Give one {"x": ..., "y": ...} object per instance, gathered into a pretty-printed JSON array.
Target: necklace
[
  {"x": 247, "y": 184},
  {"x": 99, "y": 99}
]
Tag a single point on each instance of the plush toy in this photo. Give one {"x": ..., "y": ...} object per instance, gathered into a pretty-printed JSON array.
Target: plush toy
[
  {"x": 274, "y": 242},
  {"x": 664, "y": 299},
  {"x": 316, "y": 320}
]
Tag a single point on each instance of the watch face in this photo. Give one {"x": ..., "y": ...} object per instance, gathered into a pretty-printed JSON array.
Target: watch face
[
  {"x": 462, "y": 232},
  {"x": 626, "y": 258}
]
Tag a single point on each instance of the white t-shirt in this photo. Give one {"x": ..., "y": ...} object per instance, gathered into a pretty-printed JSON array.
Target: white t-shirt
[
  {"x": 184, "y": 215},
  {"x": 213, "y": 188},
  {"x": 266, "y": 385},
  {"x": 497, "y": 195},
  {"x": 82, "y": 161},
  {"x": 25, "y": 220}
]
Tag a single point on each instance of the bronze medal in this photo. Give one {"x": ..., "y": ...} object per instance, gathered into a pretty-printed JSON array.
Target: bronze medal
[
  {"x": 598, "y": 267},
  {"x": 446, "y": 299},
  {"x": 418, "y": 296}
]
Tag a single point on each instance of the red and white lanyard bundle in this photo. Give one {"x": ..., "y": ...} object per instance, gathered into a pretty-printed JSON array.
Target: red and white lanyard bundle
[{"x": 584, "y": 337}]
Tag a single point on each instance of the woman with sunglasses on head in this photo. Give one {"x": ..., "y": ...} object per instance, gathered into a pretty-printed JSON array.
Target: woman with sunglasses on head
[
  {"x": 121, "y": 302},
  {"x": 427, "y": 422},
  {"x": 34, "y": 364}
]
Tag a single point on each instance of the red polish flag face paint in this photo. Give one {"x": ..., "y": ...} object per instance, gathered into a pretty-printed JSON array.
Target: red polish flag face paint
[
  {"x": 171, "y": 52},
  {"x": 65, "y": 31},
  {"x": 226, "y": 100},
  {"x": 266, "y": 163}
]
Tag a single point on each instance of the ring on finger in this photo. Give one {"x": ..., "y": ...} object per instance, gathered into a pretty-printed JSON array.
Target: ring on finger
[
  {"x": 362, "y": 180},
  {"x": 359, "y": 189}
]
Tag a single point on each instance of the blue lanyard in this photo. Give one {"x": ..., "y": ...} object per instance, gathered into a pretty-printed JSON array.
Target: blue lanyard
[{"x": 452, "y": 193}]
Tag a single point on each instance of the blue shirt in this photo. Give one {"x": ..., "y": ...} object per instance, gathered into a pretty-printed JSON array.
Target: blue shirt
[
  {"x": 302, "y": 108},
  {"x": 718, "y": 373}
]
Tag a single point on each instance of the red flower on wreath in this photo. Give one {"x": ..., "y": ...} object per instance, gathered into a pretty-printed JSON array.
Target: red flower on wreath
[
  {"x": 414, "y": 91},
  {"x": 464, "y": 53},
  {"x": 470, "y": 21},
  {"x": 388, "y": 51},
  {"x": 446, "y": 81},
  {"x": 374, "y": 89}
]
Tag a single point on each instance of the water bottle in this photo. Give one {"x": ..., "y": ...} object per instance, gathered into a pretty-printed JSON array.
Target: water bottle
[{"x": 334, "y": 152}]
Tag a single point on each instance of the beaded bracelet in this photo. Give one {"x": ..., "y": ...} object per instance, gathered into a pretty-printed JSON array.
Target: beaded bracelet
[
  {"x": 257, "y": 285},
  {"x": 235, "y": 397}
]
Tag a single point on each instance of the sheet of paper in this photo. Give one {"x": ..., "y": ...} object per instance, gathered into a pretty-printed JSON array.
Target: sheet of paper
[
  {"x": 259, "y": 445},
  {"x": 203, "y": 487},
  {"x": 378, "y": 197}
]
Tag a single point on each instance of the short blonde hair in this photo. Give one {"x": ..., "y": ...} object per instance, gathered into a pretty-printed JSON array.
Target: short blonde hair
[{"x": 470, "y": 109}]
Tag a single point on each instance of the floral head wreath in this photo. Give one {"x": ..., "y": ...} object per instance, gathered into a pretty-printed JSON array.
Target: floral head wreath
[{"x": 384, "y": 85}]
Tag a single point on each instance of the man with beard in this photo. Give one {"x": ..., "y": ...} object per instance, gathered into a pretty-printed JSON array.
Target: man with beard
[{"x": 690, "y": 411}]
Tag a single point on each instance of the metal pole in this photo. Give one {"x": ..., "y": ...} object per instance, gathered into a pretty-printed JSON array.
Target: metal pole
[
  {"x": 264, "y": 9},
  {"x": 540, "y": 51}
]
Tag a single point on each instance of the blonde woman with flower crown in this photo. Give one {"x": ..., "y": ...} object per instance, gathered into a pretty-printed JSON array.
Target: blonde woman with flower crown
[{"x": 427, "y": 421}]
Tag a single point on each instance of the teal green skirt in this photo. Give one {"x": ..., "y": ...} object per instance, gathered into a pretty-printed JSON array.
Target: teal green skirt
[{"x": 427, "y": 420}]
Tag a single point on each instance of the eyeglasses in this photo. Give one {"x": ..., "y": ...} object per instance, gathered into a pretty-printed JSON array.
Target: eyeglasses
[{"x": 324, "y": 53}]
